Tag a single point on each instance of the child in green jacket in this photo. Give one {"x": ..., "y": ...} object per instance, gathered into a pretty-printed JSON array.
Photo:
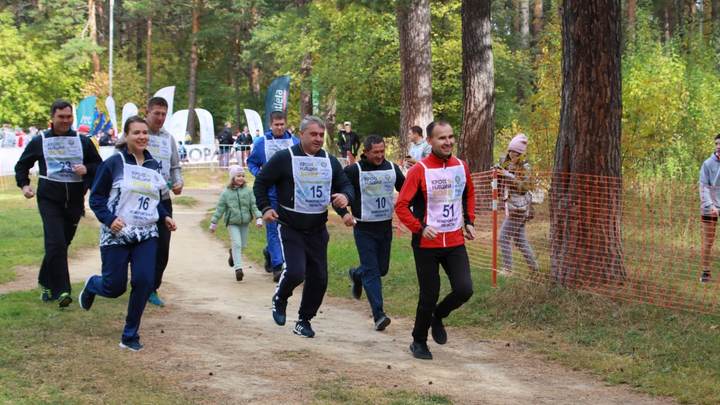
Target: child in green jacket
[{"x": 237, "y": 204}]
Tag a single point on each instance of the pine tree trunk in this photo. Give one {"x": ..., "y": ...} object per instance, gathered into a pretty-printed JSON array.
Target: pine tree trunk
[
  {"x": 631, "y": 11},
  {"x": 92, "y": 25},
  {"x": 478, "y": 85},
  {"x": 537, "y": 22},
  {"x": 306, "y": 102},
  {"x": 192, "y": 84},
  {"x": 101, "y": 24},
  {"x": 330, "y": 117},
  {"x": 524, "y": 23},
  {"x": 715, "y": 12},
  {"x": 148, "y": 59},
  {"x": 235, "y": 75},
  {"x": 413, "y": 20},
  {"x": 586, "y": 211}
]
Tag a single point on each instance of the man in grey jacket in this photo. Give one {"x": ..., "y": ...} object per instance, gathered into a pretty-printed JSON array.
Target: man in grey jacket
[
  {"x": 163, "y": 148},
  {"x": 709, "y": 206}
]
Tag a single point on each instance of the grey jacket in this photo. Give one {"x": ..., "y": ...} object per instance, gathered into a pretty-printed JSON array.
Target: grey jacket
[
  {"x": 710, "y": 184},
  {"x": 175, "y": 170}
]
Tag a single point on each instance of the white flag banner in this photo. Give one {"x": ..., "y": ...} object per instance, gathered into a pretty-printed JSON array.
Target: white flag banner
[
  {"x": 128, "y": 111},
  {"x": 177, "y": 125},
  {"x": 168, "y": 93},
  {"x": 207, "y": 129},
  {"x": 112, "y": 113},
  {"x": 75, "y": 121},
  {"x": 254, "y": 122}
]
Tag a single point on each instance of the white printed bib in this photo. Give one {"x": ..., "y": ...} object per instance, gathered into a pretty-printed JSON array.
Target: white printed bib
[
  {"x": 377, "y": 193},
  {"x": 445, "y": 188},
  {"x": 161, "y": 150},
  {"x": 313, "y": 181},
  {"x": 61, "y": 154},
  {"x": 273, "y": 146},
  {"x": 139, "y": 194}
]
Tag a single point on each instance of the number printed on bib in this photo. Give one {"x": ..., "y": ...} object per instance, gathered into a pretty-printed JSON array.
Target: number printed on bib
[
  {"x": 313, "y": 181},
  {"x": 139, "y": 194},
  {"x": 445, "y": 187},
  {"x": 161, "y": 150},
  {"x": 377, "y": 189},
  {"x": 61, "y": 154}
]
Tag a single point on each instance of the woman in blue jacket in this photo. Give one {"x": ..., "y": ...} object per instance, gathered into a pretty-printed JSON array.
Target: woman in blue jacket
[{"x": 125, "y": 199}]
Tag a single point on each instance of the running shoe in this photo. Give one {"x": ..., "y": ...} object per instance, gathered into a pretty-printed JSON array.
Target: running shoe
[
  {"x": 356, "y": 288},
  {"x": 231, "y": 262},
  {"x": 303, "y": 328},
  {"x": 705, "y": 278},
  {"x": 382, "y": 323},
  {"x": 64, "y": 300},
  {"x": 420, "y": 351},
  {"x": 278, "y": 310},
  {"x": 238, "y": 274},
  {"x": 132, "y": 345},
  {"x": 437, "y": 330},
  {"x": 86, "y": 298},
  {"x": 154, "y": 299},
  {"x": 268, "y": 266},
  {"x": 45, "y": 295}
]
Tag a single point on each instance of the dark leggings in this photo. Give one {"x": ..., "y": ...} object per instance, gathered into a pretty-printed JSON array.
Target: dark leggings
[{"x": 454, "y": 261}]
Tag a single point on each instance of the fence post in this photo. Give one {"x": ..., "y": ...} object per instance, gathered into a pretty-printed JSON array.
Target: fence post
[{"x": 495, "y": 195}]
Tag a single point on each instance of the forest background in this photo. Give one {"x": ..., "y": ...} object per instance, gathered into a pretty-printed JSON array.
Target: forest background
[{"x": 344, "y": 60}]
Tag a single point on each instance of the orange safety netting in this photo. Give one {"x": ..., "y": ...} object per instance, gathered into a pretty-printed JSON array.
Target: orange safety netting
[{"x": 634, "y": 241}]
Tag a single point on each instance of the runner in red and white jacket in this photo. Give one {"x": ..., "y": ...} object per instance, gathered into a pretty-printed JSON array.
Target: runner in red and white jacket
[{"x": 437, "y": 204}]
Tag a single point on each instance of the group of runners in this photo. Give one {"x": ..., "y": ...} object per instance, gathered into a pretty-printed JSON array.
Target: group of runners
[{"x": 295, "y": 183}]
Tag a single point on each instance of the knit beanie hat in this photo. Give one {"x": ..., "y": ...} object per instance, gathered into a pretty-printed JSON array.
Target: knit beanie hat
[
  {"x": 518, "y": 144},
  {"x": 234, "y": 170}
]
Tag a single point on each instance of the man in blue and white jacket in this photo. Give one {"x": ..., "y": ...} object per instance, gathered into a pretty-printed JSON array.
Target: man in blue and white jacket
[{"x": 277, "y": 138}]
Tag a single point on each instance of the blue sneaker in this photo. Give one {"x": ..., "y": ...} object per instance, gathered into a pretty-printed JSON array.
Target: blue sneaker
[
  {"x": 64, "y": 300},
  {"x": 278, "y": 310},
  {"x": 303, "y": 328},
  {"x": 86, "y": 298},
  {"x": 132, "y": 345},
  {"x": 155, "y": 299},
  {"x": 45, "y": 295}
]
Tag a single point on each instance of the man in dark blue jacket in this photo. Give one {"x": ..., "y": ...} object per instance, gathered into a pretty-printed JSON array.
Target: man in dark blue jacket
[
  {"x": 307, "y": 180},
  {"x": 264, "y": 147},
  {"x": 67, "y": 163}
]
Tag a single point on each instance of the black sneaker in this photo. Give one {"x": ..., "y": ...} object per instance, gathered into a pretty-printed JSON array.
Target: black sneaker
[
  {"x": 132, "y": 345},
  {"x": 278, "y": 310},
  {"x": 303, "y": 328},
  {"x": 86, "y": 298},
  {"x": 277, "y": 272},
  {"x": 238, "y": 274},
  {"x": 231, "y": 262},
  {"x": 705, "y": 278},
  {"x": 64, "y": 300},
  {"x": 268, "y": 265},
  {"x": 356, "y": 288},
  {"x": 382, "y": 323},
  {"x": 437, "y": 330},
  {"x": 420, "y": 351},
  {"x": 45, "y": 295}
]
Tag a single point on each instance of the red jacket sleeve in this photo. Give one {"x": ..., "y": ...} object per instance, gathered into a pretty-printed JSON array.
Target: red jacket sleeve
[
  {"x": 412, "y": 185},
  {"x": 469, "y": 202}
]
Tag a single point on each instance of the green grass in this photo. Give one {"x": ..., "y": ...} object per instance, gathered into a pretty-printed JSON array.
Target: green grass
[
  {"x": 52, "y": 356},
  {"x": 21, "y": 243},
  {"x": 656, "y": 350},
  {"x": 185, "y": 201},
  {"x": 340, "y": 391}
]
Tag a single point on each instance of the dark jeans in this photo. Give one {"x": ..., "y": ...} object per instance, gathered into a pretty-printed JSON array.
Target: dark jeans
[
  {"x": 455, "y": 262},
  {"x": 305, "y": 256},
  {"x": 374, "y": 251},
  {"x": 59, "y": 226},
  {"x": 113, "y": 282},
  {"x": 163, "y": 246}
]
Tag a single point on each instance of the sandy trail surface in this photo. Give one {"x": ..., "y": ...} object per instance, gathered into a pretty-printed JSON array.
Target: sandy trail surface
[{"x": 217, "y": 336}]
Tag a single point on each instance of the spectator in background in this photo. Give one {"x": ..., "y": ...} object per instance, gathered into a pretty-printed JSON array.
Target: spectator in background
[
  {"x": 8, "y": 139},
  {"x": 226, "y": 142},
  {"x": 709, "y": 207},
  {"x": 418, "y": 149},
  {"x": 342, "y": 141},
  {"x": 352, "y": 142},
  {"x": 182, "y": 152},
  {"x": 243, "y": 144}
]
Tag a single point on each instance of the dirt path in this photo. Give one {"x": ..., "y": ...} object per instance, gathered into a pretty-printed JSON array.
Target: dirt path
[{"x": 218, "y": 336}]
